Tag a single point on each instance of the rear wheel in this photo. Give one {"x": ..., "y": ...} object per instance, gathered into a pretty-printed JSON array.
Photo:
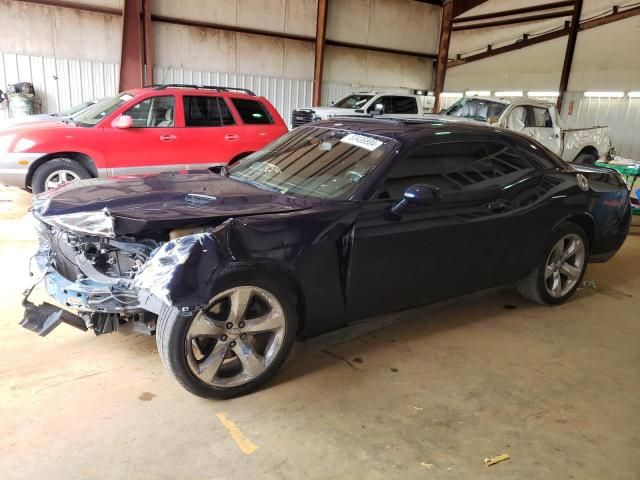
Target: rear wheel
[
  {"x": 233, "y": 345},
  {"x": 585, "y": 159},
  {"x": 558, "y": 276},
  {"x": 56, "y": 172}
]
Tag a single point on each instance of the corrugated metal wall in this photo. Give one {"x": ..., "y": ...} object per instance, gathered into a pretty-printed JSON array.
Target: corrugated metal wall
[
  {"x": 285, "y": 94},
  {"x": 621, "y": 115},
  {"x": 59, "y": 82}
]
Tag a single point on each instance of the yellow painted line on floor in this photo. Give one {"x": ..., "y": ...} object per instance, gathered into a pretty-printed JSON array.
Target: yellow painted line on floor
[{"x": 246, "y": 445}]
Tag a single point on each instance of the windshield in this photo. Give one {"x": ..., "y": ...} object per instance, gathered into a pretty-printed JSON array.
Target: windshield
[
  {"x": 476, "y": 109},
  {"x": 314, "y": 162},
  {"x": 93, "y": 115},
  {"x": 75, "y": 109},
  {"x": 353, "y": 101}
]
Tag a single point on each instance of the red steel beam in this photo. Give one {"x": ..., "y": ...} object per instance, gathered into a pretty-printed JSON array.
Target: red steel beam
[
  {"x": 76, "y": 6},
  {"x": 147, "y": 40},
  {"x": 321, "y": 34},
  {"x": 512, "y": 21},
  {"x": 515, "y": 11},
  {"x": 443, "y": 51},
  {"x": 131, "y": 64},
  {"x": 527, "y": 40}
]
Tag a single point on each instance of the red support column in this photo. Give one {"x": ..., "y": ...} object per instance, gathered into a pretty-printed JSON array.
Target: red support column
[
  {"x": 321, "y": 31},
  {"x": 443, "y": 51},
  {"x": 131, "y": 65}
]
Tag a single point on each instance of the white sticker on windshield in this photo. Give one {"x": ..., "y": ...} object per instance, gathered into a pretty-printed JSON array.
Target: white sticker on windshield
[{"x": 361, "y": 141}]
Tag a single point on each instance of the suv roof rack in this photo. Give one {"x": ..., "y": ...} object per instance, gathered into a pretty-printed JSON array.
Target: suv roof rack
[{"x": 206, "y": 87}]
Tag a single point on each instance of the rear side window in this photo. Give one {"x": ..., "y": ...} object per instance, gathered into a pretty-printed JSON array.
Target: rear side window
[
  {"x": 457, "y": 166},
  {"x": 206, "y": 111},
  {"x": 404, "y": 105},
  {"x": 252, "y": 112}
]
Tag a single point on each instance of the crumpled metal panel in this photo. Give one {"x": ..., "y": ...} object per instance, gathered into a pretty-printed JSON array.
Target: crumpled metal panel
[{"x": 621, "y": 115}]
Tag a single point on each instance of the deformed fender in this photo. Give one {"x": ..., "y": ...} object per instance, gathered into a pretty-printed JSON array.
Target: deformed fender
[{"x": 182, "y": 271}]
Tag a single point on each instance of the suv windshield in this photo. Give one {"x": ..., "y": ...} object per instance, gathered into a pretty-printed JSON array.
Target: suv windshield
[
  {"x": 353, "y": 101},
  {"x": 93, "y": 115},
  {"x": 476, "y": 109},
  {"x": 314, "y": 162}
]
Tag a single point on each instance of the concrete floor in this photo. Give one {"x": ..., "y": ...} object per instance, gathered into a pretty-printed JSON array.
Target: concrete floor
[{"x": 430, "y": 397}]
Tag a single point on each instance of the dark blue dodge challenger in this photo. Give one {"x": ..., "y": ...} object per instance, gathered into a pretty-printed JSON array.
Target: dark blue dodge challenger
[{"x": 330, "y": 224}]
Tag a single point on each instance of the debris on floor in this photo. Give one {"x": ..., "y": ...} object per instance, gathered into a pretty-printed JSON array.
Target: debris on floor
[
  {"x": 427, "y": 465},
  {"x": 488, "y": 461},
  {"x": 589, "y": 284},
  {"x": 416, "y": 408}
]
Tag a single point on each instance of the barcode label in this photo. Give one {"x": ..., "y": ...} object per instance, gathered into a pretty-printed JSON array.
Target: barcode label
[{"x": 361, "y": 141}]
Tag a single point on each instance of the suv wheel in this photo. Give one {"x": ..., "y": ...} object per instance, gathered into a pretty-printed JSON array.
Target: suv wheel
[
  {"x": 233, "y": 345},
  {"x": 55, "y": 172}
]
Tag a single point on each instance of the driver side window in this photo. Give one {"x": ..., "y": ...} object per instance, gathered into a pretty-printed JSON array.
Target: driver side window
[
  {"x": 155, "y": 112},
  {"x": 456, "y": 167}
]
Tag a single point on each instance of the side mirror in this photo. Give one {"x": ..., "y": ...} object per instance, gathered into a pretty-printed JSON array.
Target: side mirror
[
  {"x": 332, "y": 102},
  {"x": 492, "y": 120},
  {"x": 421, "y": 194},
  {"x": 378, "y": 109},
  {"x": 122, "y": 122}
]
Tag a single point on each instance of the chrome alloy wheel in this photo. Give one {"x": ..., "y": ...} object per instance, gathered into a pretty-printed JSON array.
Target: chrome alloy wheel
[
  {"x": 236, "y": 337},
  {"x": 564, "y": 265},
  {"x": 60, "y": 177}
]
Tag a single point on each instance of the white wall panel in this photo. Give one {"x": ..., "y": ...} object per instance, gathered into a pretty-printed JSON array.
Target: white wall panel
[
  {"x": 59, "y": 32},
  {"x": 59, "y": 82},
  {"x": 285, "y": 94},
  {"x": 217, "y": 50},
  {"x": 534, "y": 68},
  {"x": 286, "y": 16},
  {"x": 399, "y": 24},
  {"x": 348, "y": 65}
]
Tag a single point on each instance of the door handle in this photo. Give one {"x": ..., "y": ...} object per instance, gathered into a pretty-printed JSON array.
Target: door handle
[
  {"x": 167, "y": 138},
  {"x": 231, "y": 137},
  {"x": 498, "y": 206}
]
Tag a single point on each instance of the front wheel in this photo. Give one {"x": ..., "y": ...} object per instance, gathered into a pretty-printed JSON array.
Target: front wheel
[
  {"x": 558, "y": 276},
  {"x": 233, "y": 345},
  {"x": 56, "y": 172}
]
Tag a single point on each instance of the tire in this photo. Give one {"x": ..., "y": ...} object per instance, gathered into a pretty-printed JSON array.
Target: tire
[
  {"x": 585, "y": 159},
  {"x": 46, "y": 172},
  {"x": 178, "y": 353},
  {"x": 536, "y": 286}
]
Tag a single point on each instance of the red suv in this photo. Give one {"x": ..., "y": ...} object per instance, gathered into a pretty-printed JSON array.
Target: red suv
[{"x": 160, "y": 128}]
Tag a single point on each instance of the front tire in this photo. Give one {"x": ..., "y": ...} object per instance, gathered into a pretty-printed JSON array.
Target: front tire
[
  {"x": 55, "y": 172},
  {"x": 560, "y": 270},
  {"x": 233, "y": 345}
]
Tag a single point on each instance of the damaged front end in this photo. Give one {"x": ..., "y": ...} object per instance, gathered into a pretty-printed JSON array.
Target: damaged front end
[{"x": 91, "y": 275}]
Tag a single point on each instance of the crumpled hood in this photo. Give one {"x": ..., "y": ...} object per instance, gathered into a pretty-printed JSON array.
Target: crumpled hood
[{"x": 130, "y": 205}]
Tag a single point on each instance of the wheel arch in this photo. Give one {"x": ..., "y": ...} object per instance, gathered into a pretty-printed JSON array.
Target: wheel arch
[
  {"x": 589, "y": 150},
  {"x": 81, "y": 158},
  {"x": 238, "y": 157},
  {"x": 283, "y": 275},
  {"x": 587, "y": 223}
]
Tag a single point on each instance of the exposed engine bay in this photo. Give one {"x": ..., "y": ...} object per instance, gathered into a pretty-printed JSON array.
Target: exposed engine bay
[{"x": 93, "y": 275}]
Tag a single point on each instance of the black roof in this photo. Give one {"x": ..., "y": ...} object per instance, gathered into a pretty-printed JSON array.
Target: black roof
[{"x": 404, "y": 129}]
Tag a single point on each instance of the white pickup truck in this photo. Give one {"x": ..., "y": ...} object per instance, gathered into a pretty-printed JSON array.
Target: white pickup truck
[
  {"x": 539, "y": 120},
  {"x": 362, "y": 104}
]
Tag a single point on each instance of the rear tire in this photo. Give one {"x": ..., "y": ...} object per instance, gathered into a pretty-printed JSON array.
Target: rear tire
[
  {"x": 56, "y": 172},
  {"x": 560, "y": 270},
  {"x": 585, "y": 159},
  {"x": 211, "y": 359}
]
